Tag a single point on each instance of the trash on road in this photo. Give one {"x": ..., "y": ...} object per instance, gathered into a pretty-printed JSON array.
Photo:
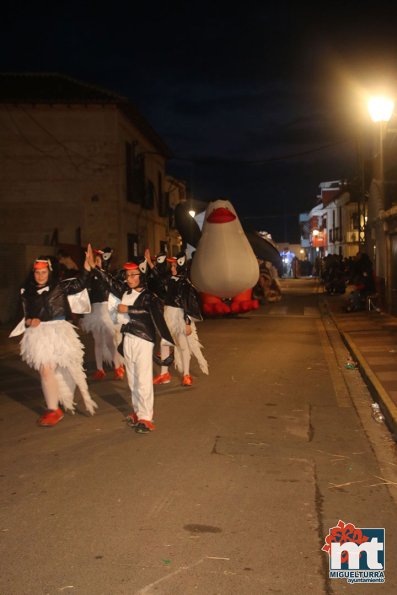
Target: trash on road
[
  {"x": 377, "y": 413},
  {"x": 351, "y": 365}
]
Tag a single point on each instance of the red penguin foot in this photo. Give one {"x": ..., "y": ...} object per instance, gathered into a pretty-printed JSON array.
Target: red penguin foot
[{"x": 221, "y": 308}]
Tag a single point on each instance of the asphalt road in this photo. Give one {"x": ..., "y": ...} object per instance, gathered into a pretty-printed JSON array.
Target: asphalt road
[{"x": 233, "y": 493}]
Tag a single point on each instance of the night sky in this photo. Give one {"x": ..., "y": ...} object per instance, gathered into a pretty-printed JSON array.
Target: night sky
[{"x": 259, "y": 104}]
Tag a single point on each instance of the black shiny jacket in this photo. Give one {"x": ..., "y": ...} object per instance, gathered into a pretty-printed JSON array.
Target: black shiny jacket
[
  {"x": 157, "y": 282},
  {"x": 182, "y": 294},
  {"x": 97, "y": 289},
  {"x": 51, "y": 302},
  {"x": 146, "y": 314}
]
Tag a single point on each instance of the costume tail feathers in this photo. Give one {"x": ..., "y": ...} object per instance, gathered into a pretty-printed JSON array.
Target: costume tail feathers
[
  {"x": 195, "y": 348},
  {"x": 67, "y": 379}
]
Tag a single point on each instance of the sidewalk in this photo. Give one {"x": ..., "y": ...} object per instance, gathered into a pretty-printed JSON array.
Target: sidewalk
[{"x": 371, "y": 338}]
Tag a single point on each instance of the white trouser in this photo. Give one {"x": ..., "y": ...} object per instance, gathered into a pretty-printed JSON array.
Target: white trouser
[{"x": 138, "y": 360}]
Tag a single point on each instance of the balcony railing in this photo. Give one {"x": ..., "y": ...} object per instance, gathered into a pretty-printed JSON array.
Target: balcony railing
[
  {"x": 335, "y": 235},
  {"x": 352, "y": 236}
]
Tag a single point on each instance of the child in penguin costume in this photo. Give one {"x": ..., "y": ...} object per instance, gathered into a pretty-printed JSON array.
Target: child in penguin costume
[
  {"x": 50, "y": 343},
  {"x": 141, "y": 317},
  {"x": 99, "y": 323},
  {"x": 181, "y": 311}
]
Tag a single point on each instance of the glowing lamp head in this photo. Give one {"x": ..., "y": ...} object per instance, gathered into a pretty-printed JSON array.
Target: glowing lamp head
[{"x": 380, "y": 108}]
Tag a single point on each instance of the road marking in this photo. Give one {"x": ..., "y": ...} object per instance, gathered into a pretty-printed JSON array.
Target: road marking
[{"x": 341, "y": 393}]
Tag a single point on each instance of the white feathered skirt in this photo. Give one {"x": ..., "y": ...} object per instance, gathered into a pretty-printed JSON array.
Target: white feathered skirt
[
  {"x": 100, "y": 324},
  {"x": 56, "y": 344},
  {"x": 176, "y": 323}
]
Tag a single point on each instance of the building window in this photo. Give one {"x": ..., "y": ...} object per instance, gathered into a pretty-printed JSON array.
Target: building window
[
  {"x": 128, "y": 171},
  {"x": 132, "y": 245},
  {"x": 163, "y": 197},
  {"x": 135, "y": 175},
  {"x": 148, "y": 202}
]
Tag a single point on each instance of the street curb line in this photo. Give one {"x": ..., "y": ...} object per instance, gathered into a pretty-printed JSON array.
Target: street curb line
[{"x": 386, "y": 400}]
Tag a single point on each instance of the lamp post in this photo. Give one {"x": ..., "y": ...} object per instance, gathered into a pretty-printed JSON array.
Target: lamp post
[{"x": 380, "y": 109}]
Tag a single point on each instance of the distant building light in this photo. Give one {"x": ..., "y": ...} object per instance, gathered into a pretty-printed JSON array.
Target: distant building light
[{"x": 265, "y": 234}]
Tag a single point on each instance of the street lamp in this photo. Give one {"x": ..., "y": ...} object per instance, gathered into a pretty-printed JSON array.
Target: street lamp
[{"x": 381, "y": 109}]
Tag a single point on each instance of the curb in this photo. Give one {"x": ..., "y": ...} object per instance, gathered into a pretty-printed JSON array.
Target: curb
[
  {"x": 374, "y": 385},
  {"x": 386, "y": 405}
]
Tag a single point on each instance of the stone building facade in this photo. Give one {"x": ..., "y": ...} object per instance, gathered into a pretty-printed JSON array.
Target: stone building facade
[{"x": 79, "y": 164}]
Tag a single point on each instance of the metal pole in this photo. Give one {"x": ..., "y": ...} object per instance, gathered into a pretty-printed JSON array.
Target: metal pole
[
  {"x": 361, "y": 199},
  {"x": 381, "y": 174}
]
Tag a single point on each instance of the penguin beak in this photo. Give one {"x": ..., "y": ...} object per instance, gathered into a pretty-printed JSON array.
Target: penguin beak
[{"x": 221, "y": 215}]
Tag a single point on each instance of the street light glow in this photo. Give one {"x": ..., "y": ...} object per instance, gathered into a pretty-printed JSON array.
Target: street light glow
[{"x": 380, "y": 108}]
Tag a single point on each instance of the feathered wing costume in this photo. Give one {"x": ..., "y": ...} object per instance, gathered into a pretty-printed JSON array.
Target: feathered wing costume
[
  {"x": 176, "y": 323},
  {"x": 99, "y": 323},
  {"x": 57, "y": 344},
  {"x": 182, "y": 306}
]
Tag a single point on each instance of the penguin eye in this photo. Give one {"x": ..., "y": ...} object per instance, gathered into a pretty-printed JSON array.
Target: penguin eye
[
  {"x": 106, "y": 255},
  {"x": 181, "y": 261},
  {"x": 161, "y": 259},
  {"x": 142, "y": 266}
]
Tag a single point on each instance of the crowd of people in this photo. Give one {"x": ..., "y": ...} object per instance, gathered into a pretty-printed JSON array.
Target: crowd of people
[
  {"x": 126, "y": 311},
  {"x": 353, "y": 276}
]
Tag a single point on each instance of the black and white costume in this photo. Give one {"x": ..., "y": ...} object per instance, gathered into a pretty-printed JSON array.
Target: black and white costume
[
  {"x": 54, "y": 344},
  {"x": 99, "y": 323},
  {"x": 139, "y": 327},
  {"x": 181, "y": 308}
]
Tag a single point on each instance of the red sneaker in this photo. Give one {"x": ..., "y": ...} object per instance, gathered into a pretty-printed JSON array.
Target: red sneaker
[
  {"x": 50, "y": 418},
  {"x": 162, "y": 378},
  {"x": 99, "y": 375},
  {"x": 132, "y": 419},
  {"x": 144, "y": 426},
  {"x": 119, "y": 373},
  {"x": 187, "y": 380}
]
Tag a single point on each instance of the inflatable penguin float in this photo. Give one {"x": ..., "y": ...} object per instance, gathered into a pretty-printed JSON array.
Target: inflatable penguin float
[{"x": 224, "y": 268}]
